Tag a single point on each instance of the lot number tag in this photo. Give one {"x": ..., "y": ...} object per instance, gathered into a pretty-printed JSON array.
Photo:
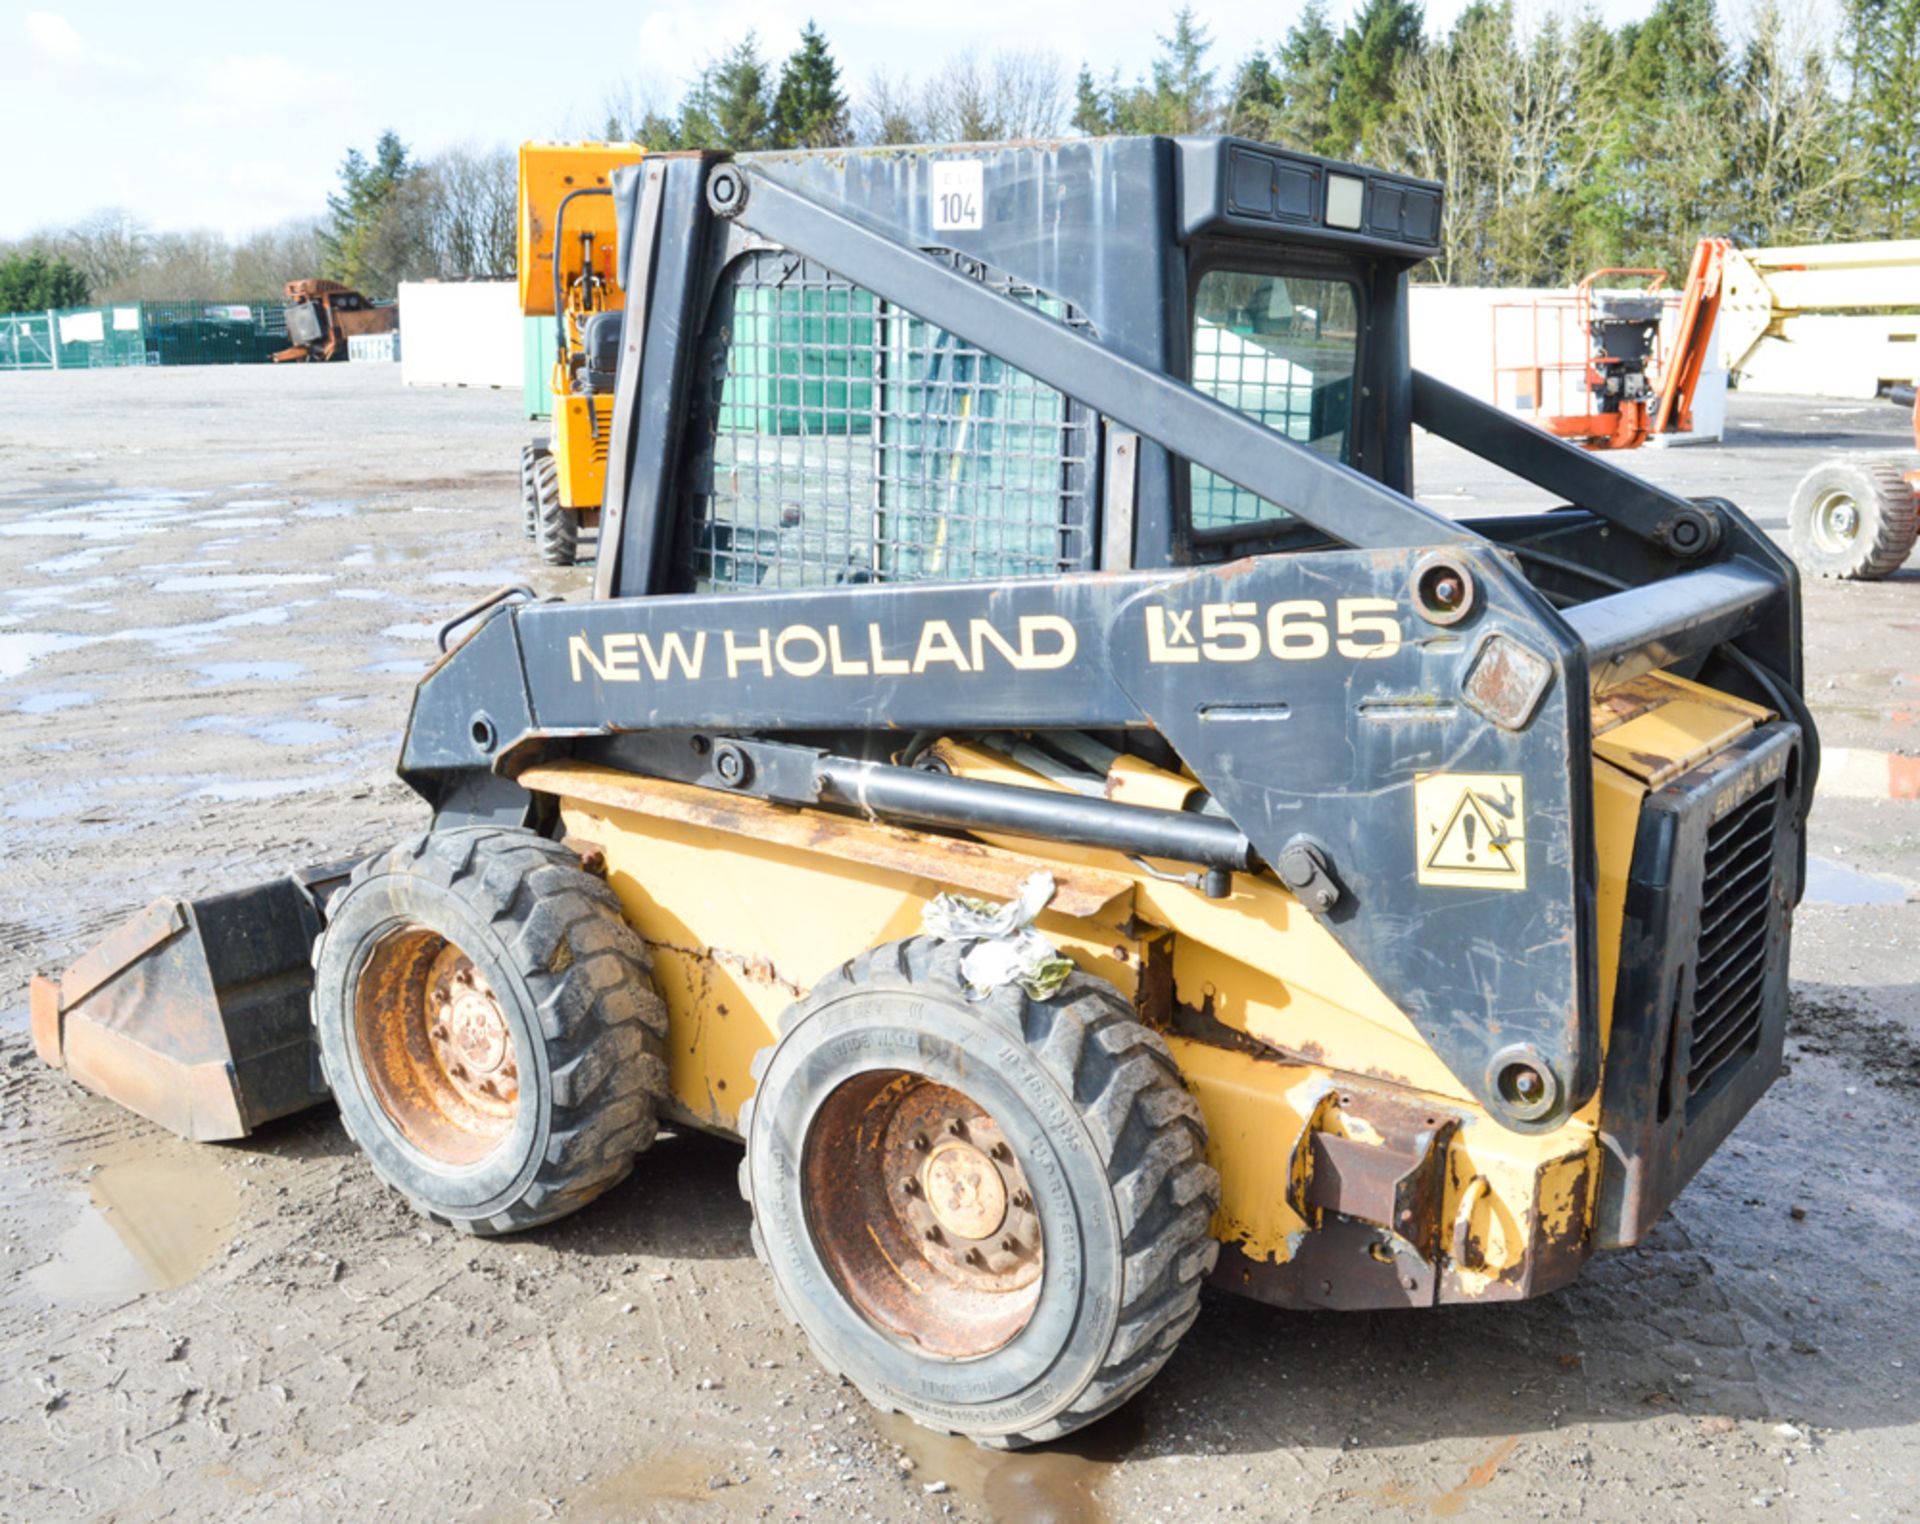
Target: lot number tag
[{"x": 958, "y": 191}]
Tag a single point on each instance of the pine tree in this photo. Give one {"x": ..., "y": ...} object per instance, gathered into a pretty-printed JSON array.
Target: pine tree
[
  {"x": 367, "y": 190},
  {"x": 31, "y": 282},
  {"x": 809, "y": 108},
  {"x": 730, "y": 105},
  {"x": 1367, "y": 65},
  {"x": 1288, "y": 99},
  {"x": 1092, "y": 105},
  {"x": 1179, "y": 95},
  {"x": 1883, "y": 54}
]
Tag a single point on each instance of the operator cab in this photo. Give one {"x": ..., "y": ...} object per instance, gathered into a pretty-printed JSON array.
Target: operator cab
[{"x": 838, "y": 438}]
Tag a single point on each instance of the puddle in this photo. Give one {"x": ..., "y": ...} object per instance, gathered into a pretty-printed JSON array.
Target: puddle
[
  {"x": 101, "y": 520},
  {"x": 146, "y": 1223},
  {"x": 273, "y": 732},
  {"x": 52, "y": 703},
  {"x": 327, "y": 511},
  {"x": 1055, "y": 1485},
  {"x": 20, "y": 649},
  {"x": 239, "y": 790},
  {"x": 1830, "y": 883},
  {"x": 234, "y": 523},
  {"x": 411, "y": 631},
  {"x": 259, "y": 502},
  {"x": 385, "y": 555},
  {"x": 227, "y": 582},
  {"x": 500, "y": 576},
  {"x": 686, "y": 1476},
  {"x": 73, "y": 560},
  {"x": 365, "y": 594},
  {"x": 58, "y": 597},
  {"x": 343, "y": 701},
  {"x": 217, "y": 672}
]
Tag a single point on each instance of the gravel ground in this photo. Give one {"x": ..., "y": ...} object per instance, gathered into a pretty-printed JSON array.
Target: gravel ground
[{"x": 216, "y": 588}]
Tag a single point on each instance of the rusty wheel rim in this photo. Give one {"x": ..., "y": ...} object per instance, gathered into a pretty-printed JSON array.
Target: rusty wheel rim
[
  {"x": 919, "y": 1206},
  {"x": 436, "y": 1047}
]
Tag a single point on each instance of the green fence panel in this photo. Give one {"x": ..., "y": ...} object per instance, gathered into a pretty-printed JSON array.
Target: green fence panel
[
  {"x": 26, "y": 341},
  {"x": 143, "y": 333}
]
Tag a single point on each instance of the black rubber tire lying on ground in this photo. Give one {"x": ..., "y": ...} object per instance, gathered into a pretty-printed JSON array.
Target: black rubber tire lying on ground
[
  {"x": 572, "y": 984},
  {"x": 556, "y": 528},
  {"x": 1855, "y": 520},
  {"x": 1093, "y": 1109}
]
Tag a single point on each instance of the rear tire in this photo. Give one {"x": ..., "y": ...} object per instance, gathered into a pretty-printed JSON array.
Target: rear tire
[
  {"x": 488, "y": 1024},
  {"x": 1029, "y": 1248},
  {"x": 556, "y": 527},
  {"x": 1855, "y": 520}
]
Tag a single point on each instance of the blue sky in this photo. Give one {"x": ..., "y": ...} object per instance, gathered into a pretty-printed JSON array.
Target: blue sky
[{"x": 235, "y": 117}]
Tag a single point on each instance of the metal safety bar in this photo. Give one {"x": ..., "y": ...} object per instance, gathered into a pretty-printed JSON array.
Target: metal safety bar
[{"x": 1335, "y": 499}]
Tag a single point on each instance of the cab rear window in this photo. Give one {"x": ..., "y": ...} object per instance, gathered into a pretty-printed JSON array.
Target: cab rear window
[{"x": 1280, "y": 348}]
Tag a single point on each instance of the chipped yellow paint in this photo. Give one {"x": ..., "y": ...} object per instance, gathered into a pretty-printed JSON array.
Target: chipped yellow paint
[
  {"x": 742, "y": 927},
  {"x": 743, "y": 924},
  {"x": 1257, "y": 1112}
]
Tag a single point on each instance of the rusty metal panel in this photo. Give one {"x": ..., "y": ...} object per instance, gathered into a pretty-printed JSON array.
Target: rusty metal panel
[{"x": 964, "y": 864}]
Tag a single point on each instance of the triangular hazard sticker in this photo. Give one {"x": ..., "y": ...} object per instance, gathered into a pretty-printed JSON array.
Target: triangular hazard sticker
[
  {"x": 1471, "y": 843},
  {"x": 1471, "y": 830}
]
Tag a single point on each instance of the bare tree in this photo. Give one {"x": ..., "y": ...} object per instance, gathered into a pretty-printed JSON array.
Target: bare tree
[
  {"x": 888, "y": 111},
  {"x": 264, "y": 261},
  {"x": 108, "y": 245},
  {"x": 1016, "y": 93}
]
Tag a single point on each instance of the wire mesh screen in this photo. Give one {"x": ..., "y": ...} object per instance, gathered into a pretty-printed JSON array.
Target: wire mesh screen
[
  {"x": 850, "y": 441},
  {"x": 1280, "y": 349}
]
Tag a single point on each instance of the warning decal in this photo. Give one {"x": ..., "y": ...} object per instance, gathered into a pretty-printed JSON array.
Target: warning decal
[{"x": 1471, "y": 830}]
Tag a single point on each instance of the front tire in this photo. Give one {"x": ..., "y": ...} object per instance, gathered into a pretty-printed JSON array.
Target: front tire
[
  {"x": 488, "y": 1024},
  {"x": 556, "y": 527},
  {"x": 530, "y": 457},
  {"x": 1854, "y": 520},
  {"x": 991, "y": 1215}
]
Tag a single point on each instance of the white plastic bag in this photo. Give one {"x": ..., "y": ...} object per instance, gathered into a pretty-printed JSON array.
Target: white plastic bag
[{"x": 1006, "y": 949}]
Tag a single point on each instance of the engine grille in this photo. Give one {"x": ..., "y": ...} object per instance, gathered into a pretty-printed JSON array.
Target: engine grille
[{"x": 1730, "y": 967}]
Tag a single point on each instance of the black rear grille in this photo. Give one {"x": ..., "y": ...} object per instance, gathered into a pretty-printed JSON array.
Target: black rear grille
[{"x": 1730, "y": 963}]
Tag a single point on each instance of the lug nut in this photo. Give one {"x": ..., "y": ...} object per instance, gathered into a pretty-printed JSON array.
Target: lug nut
[
  {"x": 957, "y": 1127},
  {"x": 920, "y": 1143},
  {"x": 1001, "y": 1152},
  {"x": 1022, "y": 1200},
  {"x": 933, "y": 1236},
  {"x": 976, "y": 1259},
  {"x": 911, "y": 1186},
  {"x": 1010, "y": 1244}
]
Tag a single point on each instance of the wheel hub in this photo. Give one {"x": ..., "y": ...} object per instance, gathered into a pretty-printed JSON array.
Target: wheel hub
[
  {"x": 1836, "y": 521},
  {"x": 964, "y": 1191},
  {"x": 436, "y": 1047},
  {"x": 919, "y": 1204}
]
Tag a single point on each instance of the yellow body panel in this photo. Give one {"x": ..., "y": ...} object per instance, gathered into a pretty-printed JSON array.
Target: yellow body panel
[
  {"x": 548, "y": 171},
  {"x": 581, "y": 426},
  {"x": 1275, "y": 1027}
]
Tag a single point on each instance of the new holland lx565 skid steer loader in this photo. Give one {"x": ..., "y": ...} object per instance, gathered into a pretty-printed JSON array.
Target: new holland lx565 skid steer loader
[{"x": 984, "y": 516}]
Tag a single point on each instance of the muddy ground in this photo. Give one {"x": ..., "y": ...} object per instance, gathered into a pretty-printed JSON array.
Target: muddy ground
[{"x": 216, "y": 587}]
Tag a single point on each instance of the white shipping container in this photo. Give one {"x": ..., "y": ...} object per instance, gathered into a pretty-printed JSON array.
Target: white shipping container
[{"x": 466, "y": 333}]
